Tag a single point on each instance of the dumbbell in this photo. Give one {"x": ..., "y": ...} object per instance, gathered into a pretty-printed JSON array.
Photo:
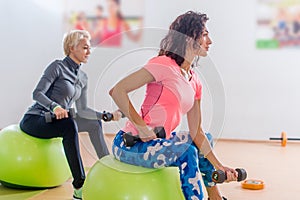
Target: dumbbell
[
  {"x": 49, "y": 116},
  {"x": 107, "y": 116},
  {"x": 219, "y": 176},
  {"x": 130, "y": 139},
  {"x": 284, "y": 139}
]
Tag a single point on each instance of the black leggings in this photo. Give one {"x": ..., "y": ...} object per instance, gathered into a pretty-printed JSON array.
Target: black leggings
[{"x": 36, "y": 126}]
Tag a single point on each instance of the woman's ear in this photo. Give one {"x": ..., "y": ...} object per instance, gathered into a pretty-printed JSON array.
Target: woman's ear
[
  {"x": 72, "y": 48},
  {"x": 196, "y": 45}
]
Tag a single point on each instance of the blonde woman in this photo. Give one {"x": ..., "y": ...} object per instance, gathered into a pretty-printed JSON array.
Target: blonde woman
[{"x": 62, "y": 85}]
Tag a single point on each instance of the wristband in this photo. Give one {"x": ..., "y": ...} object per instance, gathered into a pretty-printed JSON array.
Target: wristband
[{"x": 55, "y": 108}]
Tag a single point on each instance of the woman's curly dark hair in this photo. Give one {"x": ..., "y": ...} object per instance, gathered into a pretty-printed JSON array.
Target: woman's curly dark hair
[{"x": 188, "y": 25}]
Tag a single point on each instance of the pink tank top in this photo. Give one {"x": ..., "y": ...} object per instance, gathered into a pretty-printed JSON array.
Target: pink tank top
[{"x": 169, "y": 97}]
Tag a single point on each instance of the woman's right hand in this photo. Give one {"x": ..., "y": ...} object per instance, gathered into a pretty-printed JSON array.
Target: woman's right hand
[
  {"x": 60, "y": 113},
  {"x": 145, "y": 133},
  {"x": 117, "y": 115}
]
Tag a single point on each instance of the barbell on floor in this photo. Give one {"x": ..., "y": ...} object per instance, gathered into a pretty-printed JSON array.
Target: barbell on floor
[{"x": 284, "y": 139}]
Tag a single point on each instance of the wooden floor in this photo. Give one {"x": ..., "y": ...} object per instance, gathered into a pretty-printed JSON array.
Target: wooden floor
[{"x": 277, "y": 166}]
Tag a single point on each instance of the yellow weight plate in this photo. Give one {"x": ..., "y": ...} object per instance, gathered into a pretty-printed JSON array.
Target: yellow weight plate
[{"x": 253, "y": 184}]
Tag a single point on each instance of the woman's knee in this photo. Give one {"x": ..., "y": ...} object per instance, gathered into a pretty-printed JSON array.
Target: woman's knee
[
  {"x": 193, "y": 150},
  {"x": 70, "y": 128},
  {"x": 188, "y": 152}
]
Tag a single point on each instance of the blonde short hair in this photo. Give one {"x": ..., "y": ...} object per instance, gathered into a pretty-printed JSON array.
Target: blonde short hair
[{"x": 72, "y": 39}]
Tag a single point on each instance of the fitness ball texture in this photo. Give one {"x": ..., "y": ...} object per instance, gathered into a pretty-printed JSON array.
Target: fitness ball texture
[
  {"x": 29, "y": 162},
  {"x": 112, "y": 179}
]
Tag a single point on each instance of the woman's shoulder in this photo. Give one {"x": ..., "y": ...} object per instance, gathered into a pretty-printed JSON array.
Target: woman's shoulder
[
  {"x": 53, "y": 69},
  {"x": 58, "y": 66},
  {"x": 55, "y": 65},
  {"x": 163, "y": 60},
  {"x": 162, "y": 67}
]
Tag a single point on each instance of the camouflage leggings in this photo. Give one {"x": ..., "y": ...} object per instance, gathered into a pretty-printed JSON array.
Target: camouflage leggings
[{"x": 177, "y": 151}]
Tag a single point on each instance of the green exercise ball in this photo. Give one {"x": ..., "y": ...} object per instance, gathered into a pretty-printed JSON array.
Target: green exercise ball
[
  {"x": 29, "y": 162},
  {"x": 112, "y": 179}
]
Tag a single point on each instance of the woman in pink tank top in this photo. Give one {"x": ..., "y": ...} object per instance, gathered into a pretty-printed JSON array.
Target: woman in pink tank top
[{"x": 173, "y": 89}]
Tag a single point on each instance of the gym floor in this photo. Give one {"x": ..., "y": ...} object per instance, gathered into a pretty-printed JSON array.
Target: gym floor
[{"x": 267, "y": 161}]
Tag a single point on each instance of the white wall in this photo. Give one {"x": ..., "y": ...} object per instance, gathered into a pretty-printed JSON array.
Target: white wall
[
  {"x": 260, "y": 85},
  {"x": 30, "y": 39}
]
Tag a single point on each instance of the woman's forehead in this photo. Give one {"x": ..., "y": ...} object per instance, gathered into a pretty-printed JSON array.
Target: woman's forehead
[{"x": 84, "y": 41}]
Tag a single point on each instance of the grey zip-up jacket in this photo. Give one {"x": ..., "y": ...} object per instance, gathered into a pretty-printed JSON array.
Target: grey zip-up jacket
[{"x": 63, "y": 84}]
